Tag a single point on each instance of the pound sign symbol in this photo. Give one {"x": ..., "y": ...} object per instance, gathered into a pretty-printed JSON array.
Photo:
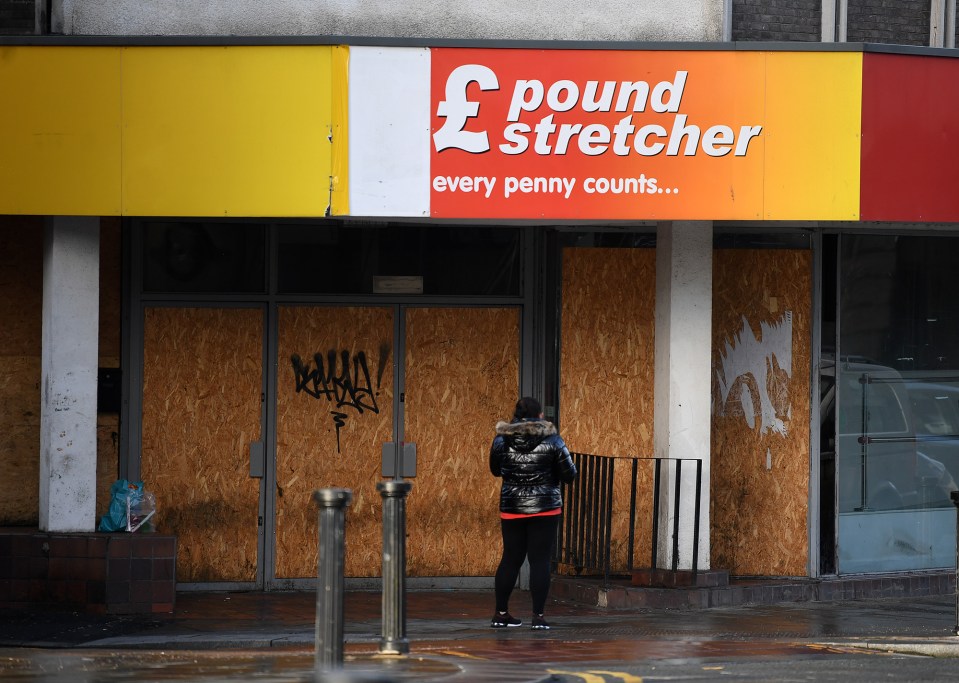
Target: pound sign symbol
[{"x": 456, "y": 109}]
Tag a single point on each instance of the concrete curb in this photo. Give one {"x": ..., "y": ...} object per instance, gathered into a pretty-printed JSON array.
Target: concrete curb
[{"x": 934, "y": 647}]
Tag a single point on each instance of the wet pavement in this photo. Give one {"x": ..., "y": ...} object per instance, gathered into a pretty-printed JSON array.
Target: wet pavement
[{"x": 271, "y": 637}]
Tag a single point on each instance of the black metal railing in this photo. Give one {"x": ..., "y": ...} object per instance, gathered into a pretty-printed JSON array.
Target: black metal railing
[{"x": 586, "y": 536}]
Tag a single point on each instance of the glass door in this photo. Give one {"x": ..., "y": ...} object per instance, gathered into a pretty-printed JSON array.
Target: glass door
[{"x": 896, "y": 383}]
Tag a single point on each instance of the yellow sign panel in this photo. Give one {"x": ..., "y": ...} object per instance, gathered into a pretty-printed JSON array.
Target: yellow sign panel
[
  {"x": 226, "y": 131},
  {"x": 60, "y": 130},
  {"x": 813, "y": 110},
  {"x": 166, "y": 131}
]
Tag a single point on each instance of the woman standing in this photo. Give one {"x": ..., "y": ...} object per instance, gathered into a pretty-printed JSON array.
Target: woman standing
[{"x": 533, "y": 461}]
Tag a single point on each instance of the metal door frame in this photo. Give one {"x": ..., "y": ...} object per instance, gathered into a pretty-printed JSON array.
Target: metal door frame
[{"x": 130, "y": 466}]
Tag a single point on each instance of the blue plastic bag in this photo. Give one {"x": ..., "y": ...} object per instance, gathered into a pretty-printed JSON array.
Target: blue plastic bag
[{"x": 121, "y": 493}]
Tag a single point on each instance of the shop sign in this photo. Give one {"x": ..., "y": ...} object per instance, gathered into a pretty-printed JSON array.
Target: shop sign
[{"x": 592, "y": 134}]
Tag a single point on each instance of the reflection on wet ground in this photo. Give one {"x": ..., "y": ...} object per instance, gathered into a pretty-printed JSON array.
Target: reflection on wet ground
[
  {"x": 489, "y": 660},
  {"x": 270, "y": 637},
  {"x": 89, "y": 666}
]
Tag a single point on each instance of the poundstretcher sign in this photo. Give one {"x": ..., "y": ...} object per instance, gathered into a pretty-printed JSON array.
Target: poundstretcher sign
[{"x": 610, "y": 134}]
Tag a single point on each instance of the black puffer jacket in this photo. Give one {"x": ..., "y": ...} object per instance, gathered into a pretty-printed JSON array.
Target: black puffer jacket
[{"x": 532, "y": 460}]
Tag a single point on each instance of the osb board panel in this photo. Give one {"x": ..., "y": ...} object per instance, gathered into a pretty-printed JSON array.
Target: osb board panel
[
  {"x": 760, "y": 428},
  {"x": 202, "y": 381},
  {"x": 21, "y": 303},
  {"x": 332, "y": 422},
  {"x": 20, "y": 469},
  {"x": 21, "y": 285},
  {"x": 462, "y": 376},
  {"x": 19, "y": 439},
  {"x": 606, "y": 374}
]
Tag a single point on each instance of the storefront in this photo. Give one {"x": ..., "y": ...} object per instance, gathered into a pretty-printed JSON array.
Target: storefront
[{"x": 326, "y": 249}]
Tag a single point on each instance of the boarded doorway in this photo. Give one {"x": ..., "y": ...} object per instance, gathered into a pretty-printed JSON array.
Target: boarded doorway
[
  {"x": 202, "y": 390},
  {"x": 459, "y": 375}
]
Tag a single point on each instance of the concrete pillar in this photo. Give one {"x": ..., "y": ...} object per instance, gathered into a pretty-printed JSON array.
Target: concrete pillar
[
  {"x": 68, "y": 375},
  {"x": 681, "y": 416},
  {"x": 835, "y": 14},
  {"x": 942, "y": 23}
]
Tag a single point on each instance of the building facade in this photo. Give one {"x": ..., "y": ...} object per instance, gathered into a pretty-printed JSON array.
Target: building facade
[{"x": 250, "y": 252}]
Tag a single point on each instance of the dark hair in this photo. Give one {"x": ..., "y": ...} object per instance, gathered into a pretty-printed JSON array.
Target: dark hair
[{"x": 527, "y": 407}]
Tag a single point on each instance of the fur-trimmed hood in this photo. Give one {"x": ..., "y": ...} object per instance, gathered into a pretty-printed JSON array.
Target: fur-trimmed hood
[{"x": 526, "y": 428}]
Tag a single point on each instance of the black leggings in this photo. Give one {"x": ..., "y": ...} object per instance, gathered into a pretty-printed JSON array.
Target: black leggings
[{"x": 532, "y": 537}]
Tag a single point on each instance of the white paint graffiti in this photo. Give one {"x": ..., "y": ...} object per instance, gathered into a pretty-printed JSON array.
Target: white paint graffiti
[{"x": 755, "y": 367}]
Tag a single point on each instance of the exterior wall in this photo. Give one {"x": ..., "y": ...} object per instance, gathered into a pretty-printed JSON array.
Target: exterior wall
[
  {"x": 21, "y": 250},
  {"x": 699, "y": 20},
  {"x": 21, "y": 284},
  {"x": 905, "y": 22},
  {"x": 16, "y": 17},
  {"x": 797, "y": 20}
]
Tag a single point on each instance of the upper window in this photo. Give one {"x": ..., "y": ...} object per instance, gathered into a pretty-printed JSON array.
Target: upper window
[
  {"x": 204, "y": 257},
  {"x": 348, "y": 258}
]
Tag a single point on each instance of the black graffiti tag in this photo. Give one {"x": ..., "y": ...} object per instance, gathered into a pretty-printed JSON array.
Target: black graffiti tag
[{"x": 342, "y": 381}]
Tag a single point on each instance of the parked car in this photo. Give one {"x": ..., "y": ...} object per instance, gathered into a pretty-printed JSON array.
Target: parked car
[
  {"x": 878, "y": 441},
  {"x": 935, "y": 409}
]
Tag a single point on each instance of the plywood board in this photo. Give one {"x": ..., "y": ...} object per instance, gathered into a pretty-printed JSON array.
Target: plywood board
[
  {"x": 20, "y": 472},
  {"x": 606, "y": 374},
  {"x": 760, "y": 428},
  {"x": 108, "y": 459},
  {"x": 202, "y": 384},
  {"x": 334, "y": 412},
  {"x": 462, "y": 376},
  {"x": 21, "y": 287}
]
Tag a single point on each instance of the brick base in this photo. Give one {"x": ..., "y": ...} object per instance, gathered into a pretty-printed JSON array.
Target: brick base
[
  {"x": 665, "y": 578},
  {"x": 619, "y": 593},
  {"x": 117, "y": 573}
]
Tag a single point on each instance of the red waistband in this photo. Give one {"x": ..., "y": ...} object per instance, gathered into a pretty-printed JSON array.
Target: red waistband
[{"x": 513, "y": 515}]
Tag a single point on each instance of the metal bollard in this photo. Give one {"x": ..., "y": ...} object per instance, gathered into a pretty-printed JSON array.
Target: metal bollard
[
  {"x": 332, "y": 504},
  {"x": 393, "y": 641},
  {"x": 955, "y": 501}
]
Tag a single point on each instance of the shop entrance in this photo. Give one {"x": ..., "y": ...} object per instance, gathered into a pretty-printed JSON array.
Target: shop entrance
[
  {"x": 343, "y": 381},
  {"x": 351, "y": 379},
  {"x": 202, "y": 407}
]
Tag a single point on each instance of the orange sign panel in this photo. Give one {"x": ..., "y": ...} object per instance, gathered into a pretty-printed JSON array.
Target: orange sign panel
[{"x": 570, "y": 134}]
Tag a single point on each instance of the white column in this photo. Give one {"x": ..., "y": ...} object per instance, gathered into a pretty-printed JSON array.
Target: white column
[
  {"x": 937, "y": 23},
  {"x": 68, "y": 375},
  {"x": 835, "y": 21},
  {"x": 942, "y": 23},
  {"x": 828, "y": 27},
  {"x": 681, "y": 417},
  {"x": 950, "y": 37}
]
